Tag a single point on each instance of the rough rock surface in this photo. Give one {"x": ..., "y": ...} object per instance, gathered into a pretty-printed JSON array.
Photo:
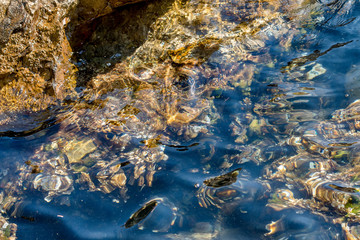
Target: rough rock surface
[
  {"x": 35, "y": 70},
  {"x": 90, "y": 9}
]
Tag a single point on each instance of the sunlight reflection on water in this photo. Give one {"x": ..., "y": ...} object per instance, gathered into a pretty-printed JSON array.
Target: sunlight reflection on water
[{"x": 148, "y": 131}]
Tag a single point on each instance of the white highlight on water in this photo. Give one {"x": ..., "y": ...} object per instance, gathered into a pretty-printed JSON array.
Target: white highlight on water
[{"x": 192, "y": 90}]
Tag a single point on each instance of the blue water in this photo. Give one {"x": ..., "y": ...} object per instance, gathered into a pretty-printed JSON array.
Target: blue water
[{"x": 334, "y": 43}]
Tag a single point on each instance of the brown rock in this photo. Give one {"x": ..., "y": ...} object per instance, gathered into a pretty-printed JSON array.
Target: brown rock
[
  {"x": 35, "y": 68},
  {"x": 35, "y": 71},
  {"x": 88, "y": 10},
  {"x": 75, "y": 150},
  {"x": 14, "y": 18}
]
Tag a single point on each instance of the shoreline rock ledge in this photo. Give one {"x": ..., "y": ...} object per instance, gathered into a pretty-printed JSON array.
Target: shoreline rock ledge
[{"x": 35, "y": 68}]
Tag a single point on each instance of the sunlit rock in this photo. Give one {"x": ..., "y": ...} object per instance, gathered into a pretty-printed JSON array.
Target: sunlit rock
[
  {"x": 75, "y": 150},
  {"x": 316, "y": 71},
  {"x": 7, "y": 230},
  {"x": 36, "y": 72}
]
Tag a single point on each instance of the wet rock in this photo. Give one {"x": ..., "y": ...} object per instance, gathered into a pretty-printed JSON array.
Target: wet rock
[
  {"x": 317, "y": 70},
  {"x": 75, "y": 150},
  {"x": 87, "y": 10},
  {"x": 7, "y": 230},
  {"x": 228, "y": 191},
  {"x": 36, "y": 72},
  {"x": 53, "y": 185},
  {"x": 14, "y": 19}
]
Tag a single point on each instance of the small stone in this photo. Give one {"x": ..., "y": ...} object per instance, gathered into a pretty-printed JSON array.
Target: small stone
[
  {"x": 316, "y": 71},
  {"x": 118, "y": 180},
  {"x": 75, "y": 150}
]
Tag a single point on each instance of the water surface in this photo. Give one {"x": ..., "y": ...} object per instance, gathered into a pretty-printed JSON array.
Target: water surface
[{"x": 291, "y": 87}]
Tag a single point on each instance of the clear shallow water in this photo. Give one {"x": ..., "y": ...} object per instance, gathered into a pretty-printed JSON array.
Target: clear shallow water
[{"x": 178, "y": 215}]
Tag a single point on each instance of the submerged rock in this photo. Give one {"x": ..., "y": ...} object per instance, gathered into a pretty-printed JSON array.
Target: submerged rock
[
  {"x": 7, "y": 230},
  {"x": 75, "y": 150}
]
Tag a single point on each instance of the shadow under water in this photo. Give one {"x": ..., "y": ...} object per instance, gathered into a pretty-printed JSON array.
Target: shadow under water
[{"x": 101, "y": 43}]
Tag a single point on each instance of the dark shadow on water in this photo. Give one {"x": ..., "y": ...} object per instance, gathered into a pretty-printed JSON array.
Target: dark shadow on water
[
  {"x": 28, "y": 124},
  {"x": 110, "y": 39},
  {"x": 41, "y": 126}
]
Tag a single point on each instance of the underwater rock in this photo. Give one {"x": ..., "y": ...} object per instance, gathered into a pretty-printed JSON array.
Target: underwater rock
[
  {"x": 141, "y": 214},
  {"x": 75, "y": 150},
  {"x": 317, "y": 70},
  {"x": 157, "y": 215},
  {"x": 230, "y": 191},
  {"x": 7, "y": 230},
  {"x": 53, "y": 185}
]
